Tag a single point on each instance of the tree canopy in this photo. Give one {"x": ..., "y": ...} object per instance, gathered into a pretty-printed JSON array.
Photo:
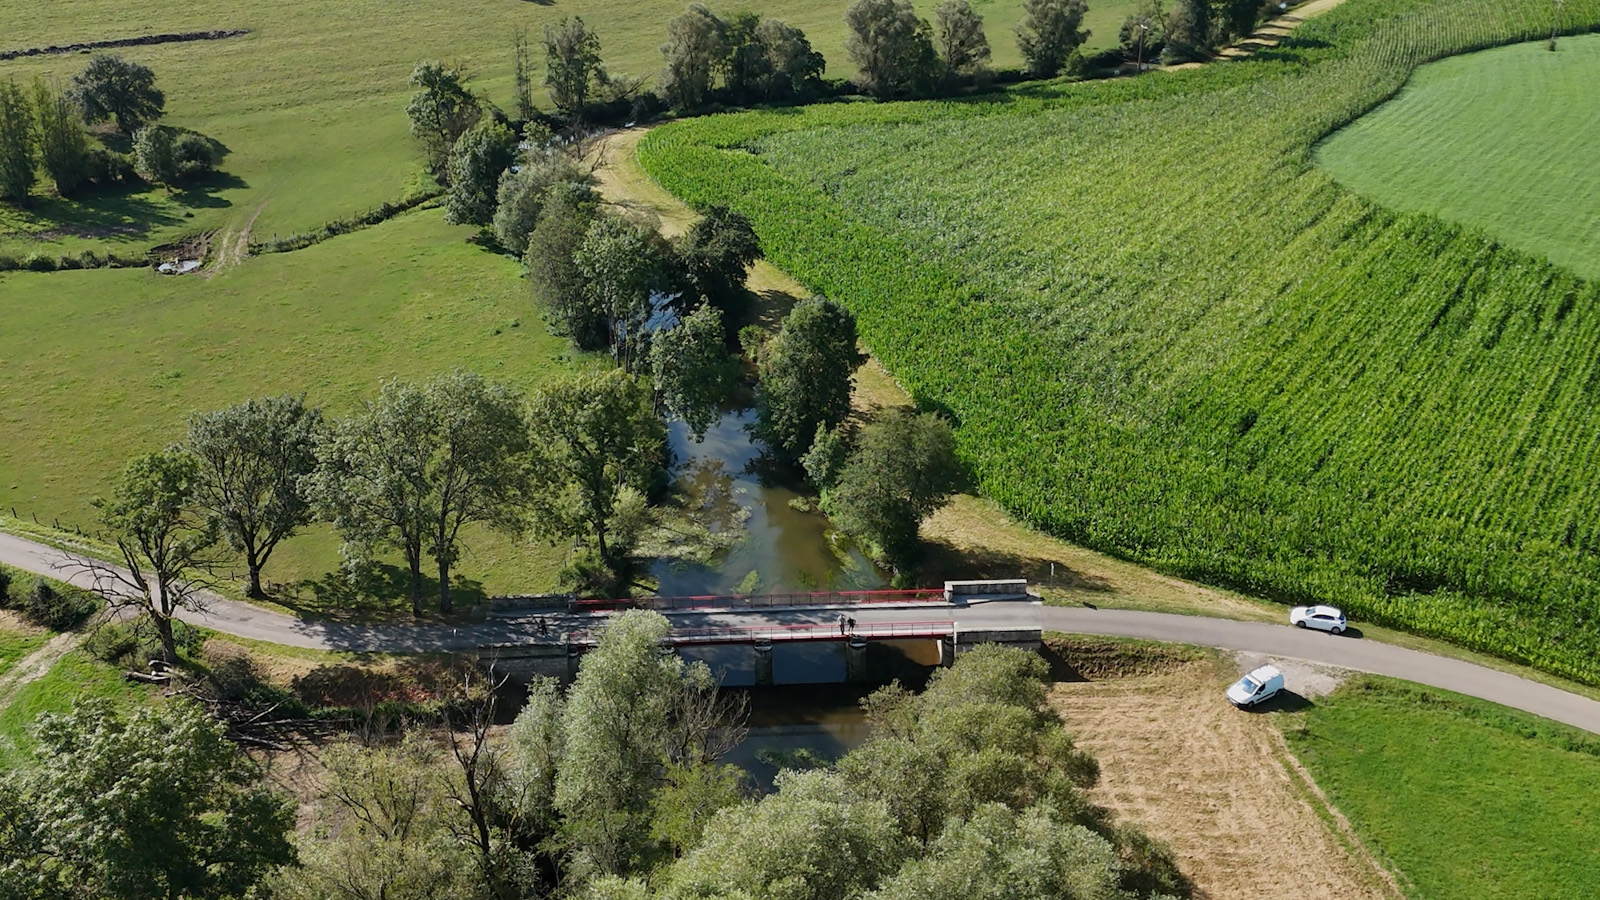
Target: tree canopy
[
  {"x": 1050, "y": 33},
  {"x": 153, "y": 805},
  {"x": 691, "y": 369},
  {"x": 902, "y": 470},
  {"x": 572, "y": 64},
  {"x": 111, "y": 87},
  {"x": 892, "y": 48},
  {"x": 442, "y": 108},
  {"x": 478, "y": 159},
  {"x": 807, "y": 372}
]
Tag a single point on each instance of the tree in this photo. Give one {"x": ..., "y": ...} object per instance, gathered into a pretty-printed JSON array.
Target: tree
[
  {"x": 962, "y": 42},
  {"x": 830, "y": 449},
  {"x": 569, "y": 209},
  {"x": 815, "y": 838},
  {"x": 716, "y": 254},
  {"x": 807, "y": 372},
  {"x": 744, "y": 63},
  {"x": 522, "y": 193},
  {"x": 441, "y": 110},
  {"x": 792, "y": 68},
  {"x": 411, "y": 469},
  {"x": 1238, "y": 17},
  {"x": 1050, "y": 33},
  {"x": 999, "y": 853},
  {"x": 164, "y": 541},
  {"x": 153, "y": 805},
  {"x": 16, "y": 144},
  {"x": 615, "y": 729},
  {"x": 478, "y": 159},
  {"x": 155, "y": 155},
  {"x": 904, "y": 469},
  {"x": 626, "y": 270},
  {"x": 111, "y": 87},
  {"x": 522, "y": 66},
  {"x": 572, "y": 64},
  {"x": 1188, "y": 32},
  {"x": 891, "y": 47},
  {"x": 252, "y": 461},
  {"x": 595, "y": 437},
  {"x": 696, "y": 44},
  {"x": 63, "y": 145},
  {"x": 1144, "y": 28},
  {"x": 692, "y": 371},
  {"x": 384, "y": 830}
]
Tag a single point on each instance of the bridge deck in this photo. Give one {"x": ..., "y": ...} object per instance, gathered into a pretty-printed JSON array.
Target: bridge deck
[{"x": 810, "y": 631}]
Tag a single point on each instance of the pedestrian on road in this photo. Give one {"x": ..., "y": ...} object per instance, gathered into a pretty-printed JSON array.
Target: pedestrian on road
[
  {"x": 852, "y": 623},
  {"x": 842, "y": 620}
]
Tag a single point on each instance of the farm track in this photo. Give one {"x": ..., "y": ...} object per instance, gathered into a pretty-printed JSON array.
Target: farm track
[{"x": 33, "y": 666}]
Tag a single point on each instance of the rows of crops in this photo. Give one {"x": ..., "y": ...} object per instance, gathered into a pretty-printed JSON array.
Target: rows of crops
[{"x": 1165, "y": 333}]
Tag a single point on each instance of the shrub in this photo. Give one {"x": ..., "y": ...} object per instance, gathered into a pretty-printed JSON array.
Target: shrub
[
  {"x": 56, "y": 610},
  {"x": 5, "y": 589},
  {"x": 194, "y": 154},
  {"x": 39, "y": 262},
  {"x": 132, "y": 645},
  {"x": 108, "y": 166}
]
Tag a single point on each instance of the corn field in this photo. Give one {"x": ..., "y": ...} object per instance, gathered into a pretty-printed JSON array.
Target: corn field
[{"x": 1163, "y": 332}]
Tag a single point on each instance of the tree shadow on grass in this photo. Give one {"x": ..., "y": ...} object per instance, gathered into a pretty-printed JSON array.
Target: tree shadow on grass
[
  {"x": 380, "y": 593},
  {"x": 120, "y": 212},
  {"x": 201, "y": 193}
]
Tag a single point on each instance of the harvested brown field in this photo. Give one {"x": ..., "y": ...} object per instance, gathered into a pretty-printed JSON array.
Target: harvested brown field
[{"x": 1215, "y": 783}]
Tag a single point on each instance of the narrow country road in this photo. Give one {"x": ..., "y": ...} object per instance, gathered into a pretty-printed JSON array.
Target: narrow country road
[{"x": 245, "y": 620}]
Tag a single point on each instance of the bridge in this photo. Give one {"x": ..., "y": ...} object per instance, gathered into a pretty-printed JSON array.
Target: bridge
[{"x": 556, "y": 632}]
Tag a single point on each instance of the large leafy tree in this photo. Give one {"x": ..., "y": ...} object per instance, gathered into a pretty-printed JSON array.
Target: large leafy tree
[
  {"x": 596, "y": 438},
  {"x": 478, "y": 159},
  {"x": 1238, "y": 17},
  {"x": 807, "y": 373},
  {"x": 409, "y": 470},
  {"x": 902, "y": 471},
  {"x": 520, "y": 199},
  {"x": 112, "y": 87},
  {"x": 716, "y": 254},
  {"x": 692, "y": 370},
  {"x": 696, "y": 45},
  {"x": 16, "y": 144},
  {"x": 891, "y": 47},
  {"x": 572, "y": 64},
  {"x": 442, "y": 108},
  {"x": 1049, "y": 33},
  {"x": 154, "y": 805},
  {"x": 164, "y": 539},
  {"x": 1188, "y": 32},
  {"x": 962, "y": 43},
  {"x": 627, "y": 274},
  {"x": 63, "y": 144},
  {"x": 252, "y": 461},
  {"x": 793, "y": 69},
  {"x": 568, "y": 210}
]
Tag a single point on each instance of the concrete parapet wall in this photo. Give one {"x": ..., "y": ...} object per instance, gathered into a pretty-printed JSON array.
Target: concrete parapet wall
[
  {"x": 993, "y": 589},
  {"x": 523, "y": 662}
]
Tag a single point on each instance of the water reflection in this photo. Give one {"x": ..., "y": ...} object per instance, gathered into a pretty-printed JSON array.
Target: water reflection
[{"x": 782, "y": 549}]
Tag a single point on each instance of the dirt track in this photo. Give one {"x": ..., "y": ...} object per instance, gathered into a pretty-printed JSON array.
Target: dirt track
[{"x": 1212, "y": 782}]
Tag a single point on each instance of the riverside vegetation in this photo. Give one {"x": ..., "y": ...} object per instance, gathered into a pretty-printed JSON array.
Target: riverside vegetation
[{"x": 1201, "y": 352}]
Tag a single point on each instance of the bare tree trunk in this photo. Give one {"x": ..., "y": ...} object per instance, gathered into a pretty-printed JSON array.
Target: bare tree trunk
[
  {"x": 169, "y": 644},
  {"x": 445, "y": 603},
  {"x": 254, "y": 591},
  {"x": 416, "y": 584}
]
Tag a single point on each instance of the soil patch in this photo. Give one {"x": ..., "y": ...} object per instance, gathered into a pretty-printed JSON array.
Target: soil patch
[{"x": 1214, "y": 783}]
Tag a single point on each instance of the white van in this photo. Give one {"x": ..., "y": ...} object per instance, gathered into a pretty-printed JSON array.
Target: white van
[{"x": 1261, "y": 684}]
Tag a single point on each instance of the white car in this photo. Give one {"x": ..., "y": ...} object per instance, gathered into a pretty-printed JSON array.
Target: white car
[
  {"x": 1260, "y": 685},
  {"x": 1322, "y": 618}
]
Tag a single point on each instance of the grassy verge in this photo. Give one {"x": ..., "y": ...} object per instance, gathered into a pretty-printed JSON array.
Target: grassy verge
[
  {"x": 74, "y": 678},
  {"x": 1461, "y": 798}
]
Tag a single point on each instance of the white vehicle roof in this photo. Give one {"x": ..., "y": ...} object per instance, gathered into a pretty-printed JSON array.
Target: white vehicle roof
[
  {"x": 1265, "y": 674},
  {"x": 1324, "y": 611}
]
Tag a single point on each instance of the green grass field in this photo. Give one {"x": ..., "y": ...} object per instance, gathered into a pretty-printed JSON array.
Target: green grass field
[
  {"x": 102, "y": 365},
  {"x": 1166, "y": 333},
  {"x": 76, "y": 677},
  {"x": 1501, "y": 140},
  {"x": 311, "y": 103},
  {"x": 1460, "y": 798}
]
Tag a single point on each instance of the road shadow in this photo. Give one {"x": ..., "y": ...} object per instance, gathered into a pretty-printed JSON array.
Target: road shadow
[{"x": 1351, "y": 631}]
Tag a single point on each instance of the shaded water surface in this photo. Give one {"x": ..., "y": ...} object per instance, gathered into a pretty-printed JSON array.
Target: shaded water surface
[{"x": 782, "y": 549}]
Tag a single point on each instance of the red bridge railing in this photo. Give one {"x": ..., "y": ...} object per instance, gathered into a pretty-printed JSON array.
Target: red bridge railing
[
  {"x": 767, "y": 601},
  {"x": 811, "y": 631}
]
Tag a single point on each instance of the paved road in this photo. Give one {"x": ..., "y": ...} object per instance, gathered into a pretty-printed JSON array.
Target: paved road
[{"x": 244, "y": 620}]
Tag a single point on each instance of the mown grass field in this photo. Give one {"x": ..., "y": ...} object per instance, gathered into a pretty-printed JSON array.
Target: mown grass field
[
  {"x": 1501, "y": 140},
  {"x": 1166, "y": 333},
  {"x": 311, "y": 103},
  {"x": 1460, "y": 798},
  {"x": 99, "y": 366}
]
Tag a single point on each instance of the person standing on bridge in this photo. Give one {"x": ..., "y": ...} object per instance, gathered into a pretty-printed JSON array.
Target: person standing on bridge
[
  {"x": 842, "y": 621},
  {"x": 852, "y": 623}
]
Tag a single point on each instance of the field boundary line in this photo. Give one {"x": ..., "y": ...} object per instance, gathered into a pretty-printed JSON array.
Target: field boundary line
[
  {"x": 145, "y": 40},
  {"x": 1344, "y": 833}
]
